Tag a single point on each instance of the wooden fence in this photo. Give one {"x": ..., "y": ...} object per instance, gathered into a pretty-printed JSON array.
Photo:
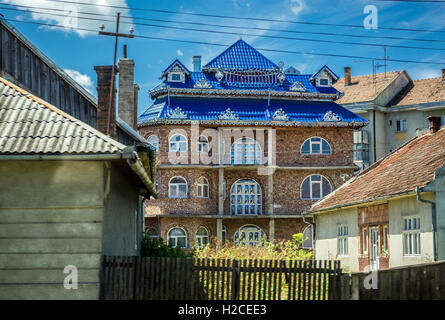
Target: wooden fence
[
  {"x": 415, "y": 282},
  {"x": 151, "y": 278}
]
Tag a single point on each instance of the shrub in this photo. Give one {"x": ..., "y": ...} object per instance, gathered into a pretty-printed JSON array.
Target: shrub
[
  {"x": 156, "y": 248},
  {"x": 283, "y": 250}
]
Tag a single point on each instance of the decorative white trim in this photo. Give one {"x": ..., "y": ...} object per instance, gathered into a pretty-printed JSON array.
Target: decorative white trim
[
  {"x": 331, "y": 117},
  {"x": 297, "y": 86},
  {"x": 203, "y": 83},
  {"x": 177, "y": 114},
  {"x": 280, "y": 115},
  {"x": 228, "y": 115}
]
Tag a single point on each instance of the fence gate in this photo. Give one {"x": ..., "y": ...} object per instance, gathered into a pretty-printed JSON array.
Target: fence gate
[{"x": 152, "y": 278}]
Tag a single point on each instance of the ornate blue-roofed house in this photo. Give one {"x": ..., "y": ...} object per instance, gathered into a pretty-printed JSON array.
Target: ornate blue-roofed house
[{"x": 244, "y": 147}]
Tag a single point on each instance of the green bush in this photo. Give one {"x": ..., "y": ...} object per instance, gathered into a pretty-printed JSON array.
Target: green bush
[{"x": 156, "y": 248}]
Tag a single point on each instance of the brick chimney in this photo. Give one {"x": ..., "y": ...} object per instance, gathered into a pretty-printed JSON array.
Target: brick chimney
[
  {"x": 105, "y": 115},
  {"x": 434, "y": 123},
  {"x": 136, "y": 96},
  {"x": 443, "y": 74},
  {"x": 127, "y": 109},
  {"x": 196, "y": 63},
  {"x": 347, "y": 76}
]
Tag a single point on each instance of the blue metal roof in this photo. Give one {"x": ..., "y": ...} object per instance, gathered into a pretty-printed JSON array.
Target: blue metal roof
[
  {"x": 241, "y": 56},
  {"x": 304, "y": 79},
  {"x": 246, "y": 109}
]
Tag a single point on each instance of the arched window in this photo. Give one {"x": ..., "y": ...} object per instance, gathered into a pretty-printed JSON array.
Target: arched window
[
  {"x": 203, "y": 144},
  {"x": 152, "y": 233},
  {"x": 202, "y": 237},
  {"x": 315, "y": 187},
  {"x": 177, "y": 237},
  {"x": 246, "y": 151},
  {"x": 250, "y": 235},
  {"x": 154, "y": 141},
  {"x": 203, "y": 188},
  {"x": 177, "y": 188},
  {"x": 307, "y": 237},
  {"x": 245, "y": 197},
  {"x": 316, "y": 145},
  {"x": 178, "y": 143}
]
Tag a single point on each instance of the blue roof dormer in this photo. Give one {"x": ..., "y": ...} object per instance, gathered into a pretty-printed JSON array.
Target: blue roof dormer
[
  {"x": 175, "y": 65},
  {"x": 241, "y": 56}
]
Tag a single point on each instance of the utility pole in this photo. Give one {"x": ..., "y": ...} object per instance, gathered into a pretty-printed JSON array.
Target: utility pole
[{"x": 113, "y": 70}]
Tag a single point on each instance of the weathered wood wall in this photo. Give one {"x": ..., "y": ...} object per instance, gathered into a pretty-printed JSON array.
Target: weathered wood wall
[{"x": 26, "y": 66}]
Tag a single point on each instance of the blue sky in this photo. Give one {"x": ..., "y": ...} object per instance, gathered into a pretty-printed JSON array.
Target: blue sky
[{"x": 80, "y": 52}]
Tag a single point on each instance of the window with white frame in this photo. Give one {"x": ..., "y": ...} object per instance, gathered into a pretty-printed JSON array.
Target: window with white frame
[
  {"x": 154, "y": 141},
  {"x": 364, "y": 240},
  {"x": 178, "y": 143},
  {"x": 245, "y": 197},
  {"x": 323, "y": 82},
  {"x": 250, "y": 235},
  {"x": 177, "y": 237},
  {"x": 202, "y": 237},
  {"x": 246, "y": 151},
  {"x": 203, "y": 144},
  {"x": 152, "y": 234},
  {"x": 316, "y": 145},
  {"x": 342, "y": 240},
  {"x": 401, "y": 125},
  {"x": 307, "y": 237},
  {"x": 203, "y": 188},
  {"x": 315, "y": 187},
  {"x": 177, "y": 188},
  {"x": 385, "y": 240},
  {"x": 411, "y": 236}
]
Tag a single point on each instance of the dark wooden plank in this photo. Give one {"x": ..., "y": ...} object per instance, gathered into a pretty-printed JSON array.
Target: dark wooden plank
[
  {"x": 198, "y": 291},
  {"x": 261, "y": 286},
  {"x": 223, "y": 279},
  {"x": 280, "y": 278},
  {"x": 243, "y": 275},
  {"x": 218, "y": 273}
]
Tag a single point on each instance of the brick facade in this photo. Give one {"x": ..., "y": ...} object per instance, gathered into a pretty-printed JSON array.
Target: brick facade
[
  {"x": 164, "y": 213},
  {"x": 106, "y": 116}
]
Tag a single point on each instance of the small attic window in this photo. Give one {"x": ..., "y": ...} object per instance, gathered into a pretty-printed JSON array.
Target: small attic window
[
  {"x": 324, "y": 82},
  {"x": 176, "y": 76}
]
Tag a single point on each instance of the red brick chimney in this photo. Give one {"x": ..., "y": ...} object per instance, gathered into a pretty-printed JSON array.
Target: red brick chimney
[
  {"x": 434, "y": 123},
  {"x": 106, "y": 117},
  {"x": 443, "y": 74},
  {"x": 347, "y": 76}
]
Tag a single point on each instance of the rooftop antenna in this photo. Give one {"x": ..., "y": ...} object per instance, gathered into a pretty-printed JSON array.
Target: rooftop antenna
[
  {"x": 374, "y": 77},
  {"x": 385, "y": 58}
]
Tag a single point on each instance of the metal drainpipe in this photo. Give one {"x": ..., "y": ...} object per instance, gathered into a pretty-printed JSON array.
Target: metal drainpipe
[
  {"x": 313, "y": 234},
  {"x": 433, "y": 216}
]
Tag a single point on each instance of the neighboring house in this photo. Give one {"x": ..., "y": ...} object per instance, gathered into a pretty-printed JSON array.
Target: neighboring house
[
  {"x": 391, "y": 214},
  {"x": 68, "y": 192},
  {"x": 233, "y": 198},
  {"x": 395, "y": 106}
]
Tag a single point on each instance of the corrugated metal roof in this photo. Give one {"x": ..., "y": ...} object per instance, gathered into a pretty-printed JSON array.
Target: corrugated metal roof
[
  {"x": 246, "y": 109},
  {"x": 241, "y": 56},
  {"x": 28, "y": 124}
]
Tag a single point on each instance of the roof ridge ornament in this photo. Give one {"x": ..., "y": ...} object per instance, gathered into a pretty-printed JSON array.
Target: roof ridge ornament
[
  {"x": 228, "y": 115},
  {"x": 203, "y": 83},
  {"x": 330, "y": 116},
  {"x": 280, "y": 115},
  {"x": 178, "y": 114}
]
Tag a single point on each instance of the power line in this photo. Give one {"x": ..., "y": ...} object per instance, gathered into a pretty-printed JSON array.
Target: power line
[
  {"x": 416, "y": 1},
  {"x": 240, "y": 18},
  {"x": 227, "y": 45},
  {"x": 229, "y": 26},
  {"x": 236, "y": 33}
]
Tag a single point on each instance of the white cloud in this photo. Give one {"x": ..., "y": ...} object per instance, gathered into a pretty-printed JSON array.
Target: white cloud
[
  {"x": 82, "y": 79},
  {"x": 296, "y": 6},
  {"x": 73, "y": 12},
  {"x": 179, "y": 52}
]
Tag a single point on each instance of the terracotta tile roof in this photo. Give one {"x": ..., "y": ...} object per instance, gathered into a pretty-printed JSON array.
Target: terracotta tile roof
[
  {"x": 421, "y": 91},
  {"x": 364, "y": 88},
  {"x": 411, "y": 165}
]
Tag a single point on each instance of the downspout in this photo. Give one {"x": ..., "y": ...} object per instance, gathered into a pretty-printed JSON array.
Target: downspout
[
  {"x": 373, "y": 135},
  {"x": 313, "y": 233},
  {"x": 433, "y": 217}
]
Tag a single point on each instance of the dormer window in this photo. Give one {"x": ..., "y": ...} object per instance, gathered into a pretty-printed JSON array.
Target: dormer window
[
  {"x": 324, "y": 82},
  {"x": 176, "y": 77}
]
